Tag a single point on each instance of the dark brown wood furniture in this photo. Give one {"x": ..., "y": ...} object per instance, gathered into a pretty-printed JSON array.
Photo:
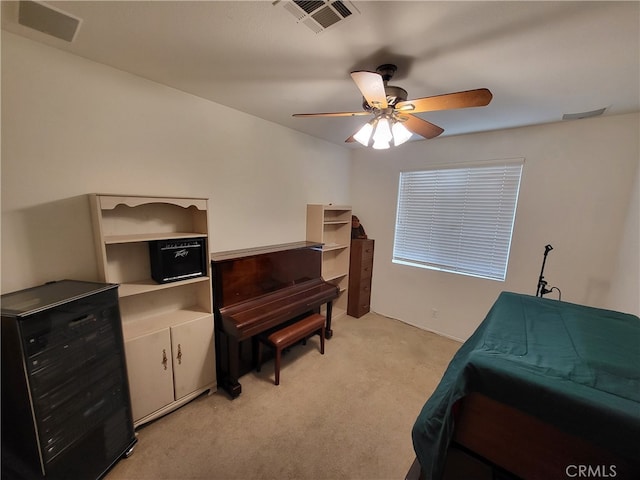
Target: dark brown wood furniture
[
  {"x": 290, "y": 335},
  {"x": 257, "y": 289},
  {"x": 505, "y": 439},
  {"x": 517, "y": 442},
  {"x": 360, "y": 272}
]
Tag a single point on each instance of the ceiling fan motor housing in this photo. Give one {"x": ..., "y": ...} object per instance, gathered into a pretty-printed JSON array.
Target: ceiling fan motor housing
[
  {"x": 394, "y": 95},
  {"x": 386, "y": 71}
]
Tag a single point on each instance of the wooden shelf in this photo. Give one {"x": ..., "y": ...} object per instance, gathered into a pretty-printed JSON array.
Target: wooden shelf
[
  {"x": 111, "y": 201},
  {"x": 150, "y": 285},
  {"x": 329, "y": 276},
  {"x": 334, "y": 246},
  {"x": 336, "y": 313},
  {"x": 147, "y": 237},
  {"x": 336, "y": 222}
]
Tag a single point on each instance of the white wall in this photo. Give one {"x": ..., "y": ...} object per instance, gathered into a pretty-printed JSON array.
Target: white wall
[
  {"x": 72, "y": 127},
  {"x": 625, "y": 289},
  {"x": 575, "y": 194}
]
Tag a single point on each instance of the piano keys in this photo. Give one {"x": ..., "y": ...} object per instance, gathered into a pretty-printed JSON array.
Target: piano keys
[{"x": 257, "y": 289}]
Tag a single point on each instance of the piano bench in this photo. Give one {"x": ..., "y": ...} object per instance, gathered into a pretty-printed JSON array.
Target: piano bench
[{"x": 291, "y": 334}]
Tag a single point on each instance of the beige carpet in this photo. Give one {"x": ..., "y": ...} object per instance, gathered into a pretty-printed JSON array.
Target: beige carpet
[{"x": 345, "y": 415}]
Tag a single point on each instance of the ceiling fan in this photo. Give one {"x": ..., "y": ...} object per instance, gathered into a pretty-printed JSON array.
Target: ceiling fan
[{"x": 393, "y": 120}]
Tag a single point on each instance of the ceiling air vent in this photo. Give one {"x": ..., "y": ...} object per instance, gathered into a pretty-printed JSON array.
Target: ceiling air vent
[
  {"x": 48, "y": 19},
  {"x": 318, "y": 15}
]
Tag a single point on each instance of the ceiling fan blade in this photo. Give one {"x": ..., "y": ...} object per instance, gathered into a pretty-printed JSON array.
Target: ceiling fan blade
[
  {"x": 372, "y": 88},
  {"x": 332, "y": 114},
  {"x": 422, "y": 127},
  {"x": 470, "y": 98}
]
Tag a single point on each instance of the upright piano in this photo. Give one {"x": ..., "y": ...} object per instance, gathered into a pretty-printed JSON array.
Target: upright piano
[{"x": 257, "y": 289}]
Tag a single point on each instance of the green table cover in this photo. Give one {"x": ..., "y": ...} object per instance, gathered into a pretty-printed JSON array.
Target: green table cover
[{"x": 573, "y": 366}]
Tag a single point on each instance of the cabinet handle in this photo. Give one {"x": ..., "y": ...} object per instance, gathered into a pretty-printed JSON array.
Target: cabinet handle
[
  {"x": 82, "y": 320},
  {"x": 179, "y": 356},
  {"x": 164, "y": 358}
]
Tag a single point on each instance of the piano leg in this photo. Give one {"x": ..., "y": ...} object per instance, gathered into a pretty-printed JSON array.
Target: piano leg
[
  {"x": 232, "y": 385},
  {"x": 328, "y": 332}
]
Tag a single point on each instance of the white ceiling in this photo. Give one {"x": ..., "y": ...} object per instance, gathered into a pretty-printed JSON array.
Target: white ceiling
[{"x": 539, "y": 59}]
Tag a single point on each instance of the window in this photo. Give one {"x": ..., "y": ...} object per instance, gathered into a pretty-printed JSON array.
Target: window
[{"x": 458, "y": 219}]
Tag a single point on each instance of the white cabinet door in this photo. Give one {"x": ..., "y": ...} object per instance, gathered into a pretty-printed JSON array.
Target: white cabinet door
[
  {"x": 193, "y": 355},
  {"x": 150, "y": 369}
]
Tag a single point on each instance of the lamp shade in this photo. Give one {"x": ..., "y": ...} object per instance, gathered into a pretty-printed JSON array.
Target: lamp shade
[
  {"x": 400, "y": 133},
  {"x": 364, "y": 134},
  {"x": 382, "y": 130},
  {"x": 382, "y": 135}
]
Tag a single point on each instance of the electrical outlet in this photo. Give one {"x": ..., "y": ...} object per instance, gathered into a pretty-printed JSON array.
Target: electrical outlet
[{"x": 434, "y": 313}]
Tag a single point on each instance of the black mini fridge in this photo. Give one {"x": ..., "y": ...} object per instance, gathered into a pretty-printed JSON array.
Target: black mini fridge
[{"x": 66, "y": 409}]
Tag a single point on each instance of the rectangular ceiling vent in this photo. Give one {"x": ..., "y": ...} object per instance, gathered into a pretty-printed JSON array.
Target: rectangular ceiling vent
[
  {"x": 49, "y": 20},
  {"x": 318, "y": 15}
]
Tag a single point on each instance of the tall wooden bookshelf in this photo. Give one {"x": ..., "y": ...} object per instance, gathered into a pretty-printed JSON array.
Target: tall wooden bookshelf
[
  {"x": 168, "y": 328},
  {"x": 331, "y": 226}
]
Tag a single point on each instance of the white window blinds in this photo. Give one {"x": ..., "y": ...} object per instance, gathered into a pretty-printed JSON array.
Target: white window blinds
[{"x": 458, "y": 219}]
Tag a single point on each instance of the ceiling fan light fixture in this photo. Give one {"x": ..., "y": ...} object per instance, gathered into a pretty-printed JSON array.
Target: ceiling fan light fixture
[
  {"x": 400, "y": 133},
  {"x": 364, "y": 134},
  {"x": 394, "y": 116},
  {"x": 382, "y": 133},
  {"x": 380, "y": 145}
]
